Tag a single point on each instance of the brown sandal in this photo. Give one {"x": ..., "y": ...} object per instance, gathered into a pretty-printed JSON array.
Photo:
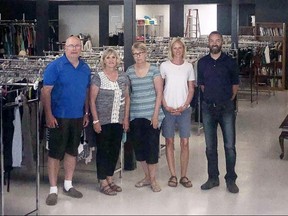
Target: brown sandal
[
  {"x": 173, "y": 181},
  {"x": 107, "y": 190},
  {"x": 115, "y": 187},
  {"x": 185, "y": 182}
]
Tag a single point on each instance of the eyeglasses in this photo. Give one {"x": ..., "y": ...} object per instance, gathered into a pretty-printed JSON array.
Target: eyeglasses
[
  {"x": 137, "y": 54},
  {"x": 71, "y": 46}
]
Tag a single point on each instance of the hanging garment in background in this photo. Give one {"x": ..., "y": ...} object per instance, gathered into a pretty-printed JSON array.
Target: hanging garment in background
[
  {"x": 17, "y": 137},
  {"x": 28, "y": 159},
  {"x": 83, "y": 148},
  {"x": 267, "y": 54}
]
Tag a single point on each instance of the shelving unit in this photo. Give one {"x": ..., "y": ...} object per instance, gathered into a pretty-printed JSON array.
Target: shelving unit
[
  {"x": 140, "y": 30},
  {"x": 271, "y": 75},
  {"x": 145, "y": 31},
  {"x": 246, "y": 30}
]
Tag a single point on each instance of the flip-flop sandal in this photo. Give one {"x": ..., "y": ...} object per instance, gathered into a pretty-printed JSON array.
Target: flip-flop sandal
[
  {"x": 155, "y": 187},
  {"x": 142, "y": 183}
]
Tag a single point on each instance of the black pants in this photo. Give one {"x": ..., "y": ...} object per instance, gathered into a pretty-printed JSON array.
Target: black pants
[{"x": 108, "y": 148}]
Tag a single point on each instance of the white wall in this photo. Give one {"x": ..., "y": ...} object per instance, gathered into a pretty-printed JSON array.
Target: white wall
[
  {"x": 76, "y": 19},
  {"x": 116, "y": 18},
  {"x": 207, "y": 17}
]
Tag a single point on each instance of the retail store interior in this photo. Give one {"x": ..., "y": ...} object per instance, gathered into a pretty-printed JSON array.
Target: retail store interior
[{"x": 248, "y": 27}]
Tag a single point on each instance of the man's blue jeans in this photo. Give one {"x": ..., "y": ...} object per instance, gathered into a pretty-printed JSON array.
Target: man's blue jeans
[{"x": 224, "y": 115}]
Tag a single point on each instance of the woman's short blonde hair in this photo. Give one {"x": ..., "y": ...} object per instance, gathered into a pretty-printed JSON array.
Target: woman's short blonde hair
[
  {"x": 107, "y": 52},
  {"x": 139, "y": 46},
  {"x": 171, "y": 44}
]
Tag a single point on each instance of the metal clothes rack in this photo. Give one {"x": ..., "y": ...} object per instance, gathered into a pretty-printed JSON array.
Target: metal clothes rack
[
  {"x": 249, "y": 43},
  {"x": 37, "y": 147},
  {"x": 21, "y": 23},
  {"x": 11, "y": 71}
]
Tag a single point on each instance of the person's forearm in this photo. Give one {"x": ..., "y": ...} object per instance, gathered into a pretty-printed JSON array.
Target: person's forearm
[
  {"x": 234, "y": 91},
  {"x": 86, "y": 108},
  {"x": 190, "y": 93},
  {"x": 46, "y": 101}
]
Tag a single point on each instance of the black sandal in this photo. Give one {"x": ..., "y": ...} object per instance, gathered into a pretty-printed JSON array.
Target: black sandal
[{"x": 172, "y": 182}]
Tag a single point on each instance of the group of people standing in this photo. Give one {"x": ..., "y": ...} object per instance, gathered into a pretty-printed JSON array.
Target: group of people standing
[{"x": 143, "y": 101}]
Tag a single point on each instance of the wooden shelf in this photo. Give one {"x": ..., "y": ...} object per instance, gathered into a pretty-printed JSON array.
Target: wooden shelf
[
  {"x": 273, "y": 33},
  {"x": 246, "y": 30}
]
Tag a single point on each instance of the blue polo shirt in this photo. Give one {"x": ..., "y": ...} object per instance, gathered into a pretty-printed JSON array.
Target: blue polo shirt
[
  {"x": 217, "y": 76},
  {"x": 69, "y": 87}
]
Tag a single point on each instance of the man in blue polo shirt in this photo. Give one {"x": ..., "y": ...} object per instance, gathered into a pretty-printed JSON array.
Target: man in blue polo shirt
[
  {"x": 65, "y": 100},
  {"x": 219, "y": 82}
]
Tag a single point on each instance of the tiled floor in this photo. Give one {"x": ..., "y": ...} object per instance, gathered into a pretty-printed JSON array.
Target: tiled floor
[{"x": 262, "y": 177}]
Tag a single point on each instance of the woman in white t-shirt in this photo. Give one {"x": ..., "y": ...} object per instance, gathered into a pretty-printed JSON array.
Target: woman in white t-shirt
[{"x": 179, "y": 77}]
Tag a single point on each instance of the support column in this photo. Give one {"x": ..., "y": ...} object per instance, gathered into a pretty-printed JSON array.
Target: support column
[
  {"x": 177, "y": 19},
  {"x": 235, "y": 23},
  {"x": 42, "y": 28},
  {"x": 129, "y": 39},
  {"x": 103, "y": 23},
  {"x": 129, "y": 31}
]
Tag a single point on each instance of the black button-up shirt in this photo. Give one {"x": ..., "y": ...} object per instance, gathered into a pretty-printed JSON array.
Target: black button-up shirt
[{"x": 217, "y": 76}]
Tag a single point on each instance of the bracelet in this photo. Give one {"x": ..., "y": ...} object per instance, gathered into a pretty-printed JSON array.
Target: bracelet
[{"x": 95, "y": 122}]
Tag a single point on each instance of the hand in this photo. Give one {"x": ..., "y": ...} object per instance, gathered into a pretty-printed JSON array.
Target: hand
[
  {"x": 176, "y": 112},
  {"x": 182, "y": 108},
  {"x": 97, "y": 127},
  {"x": 85, "y": 120},
  {"x": 154, "y": 122},
  {"x": 126, "y": 125},
  {"x": 170, "y": 109},
  {"x": 51, "y": 122}
]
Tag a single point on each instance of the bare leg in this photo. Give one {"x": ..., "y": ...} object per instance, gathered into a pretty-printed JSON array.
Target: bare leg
[
  {"x": 69, "y": 166},
  {"x": 152, "y": 173},
  {"x": 145, "y": 168},
  {"x": 53, "y": 170},
  {"x": 184, "y": 155},
  {"x": 109, "y": 179},
  {"x": 170, "y": 155}
]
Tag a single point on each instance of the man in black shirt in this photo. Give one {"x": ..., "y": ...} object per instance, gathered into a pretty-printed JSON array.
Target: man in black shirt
[{"x": 219, "y": 82}]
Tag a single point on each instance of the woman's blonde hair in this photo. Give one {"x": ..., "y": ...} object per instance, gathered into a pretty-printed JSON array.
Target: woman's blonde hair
[
  {"x": 171, "y": 44},
  {"x": 140, "y": 46},
  {"x": 108, "y": 52}
]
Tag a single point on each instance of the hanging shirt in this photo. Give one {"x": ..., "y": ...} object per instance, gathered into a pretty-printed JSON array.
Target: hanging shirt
[{"x": 17, "y": 137}]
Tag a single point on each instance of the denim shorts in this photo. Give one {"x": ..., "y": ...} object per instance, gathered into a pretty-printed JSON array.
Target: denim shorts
[
  {"x": 182, "y": 122},
  {"x": 65, "y": 138}
]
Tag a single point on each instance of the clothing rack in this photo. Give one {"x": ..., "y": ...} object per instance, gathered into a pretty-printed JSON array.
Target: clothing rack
[
  {"x": 250, "y": 73},
  {"x": 23, "y": 38},
  {"x": 13, "y": 69},
  {"x": 37, "y": 148},
  {"x": 18, "y": 22}
]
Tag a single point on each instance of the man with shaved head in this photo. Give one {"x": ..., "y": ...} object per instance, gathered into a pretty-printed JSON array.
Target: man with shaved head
[{"x": 65, "y": 100}]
